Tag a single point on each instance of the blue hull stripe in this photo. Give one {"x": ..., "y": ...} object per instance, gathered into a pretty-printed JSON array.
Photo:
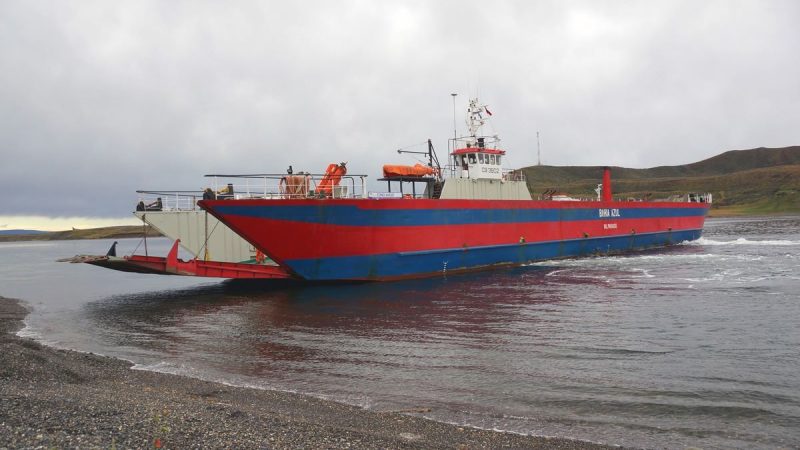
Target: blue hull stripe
[
  {"x": 350, "y": 215},
  {"x": 409, "y": 264}
]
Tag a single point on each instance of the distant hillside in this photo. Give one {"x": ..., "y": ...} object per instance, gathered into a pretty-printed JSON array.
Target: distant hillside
[
  {"x": 91, "y": 233},
  {"x": 757, "y": 181},
  {"x": 15, "y": 232}
]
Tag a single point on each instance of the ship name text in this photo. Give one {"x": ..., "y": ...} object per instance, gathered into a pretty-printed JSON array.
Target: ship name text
[{"x": 608, "y": 212}]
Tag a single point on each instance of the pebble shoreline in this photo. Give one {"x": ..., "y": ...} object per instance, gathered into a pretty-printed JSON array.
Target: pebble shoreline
[{"x": 59, "y": 398}]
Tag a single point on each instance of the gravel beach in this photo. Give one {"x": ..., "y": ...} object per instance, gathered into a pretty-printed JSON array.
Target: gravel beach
[{"x": 57, "y": 398}]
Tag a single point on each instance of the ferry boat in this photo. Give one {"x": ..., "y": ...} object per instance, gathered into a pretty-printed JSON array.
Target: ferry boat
[{"x": 469, "y": 215}]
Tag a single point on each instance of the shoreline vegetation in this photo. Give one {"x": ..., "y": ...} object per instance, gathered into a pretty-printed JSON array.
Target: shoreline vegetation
[
  {"x": 756, "y": 182},
  {"x": 62, "y": 398},
  {"x": 114, "y": 232}
]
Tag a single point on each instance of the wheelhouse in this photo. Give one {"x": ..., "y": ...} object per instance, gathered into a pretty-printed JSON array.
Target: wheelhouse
[{"x": 478, "y": 162}]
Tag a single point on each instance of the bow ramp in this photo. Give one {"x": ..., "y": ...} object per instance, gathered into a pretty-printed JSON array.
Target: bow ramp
[{"x": 172, "y": 265}]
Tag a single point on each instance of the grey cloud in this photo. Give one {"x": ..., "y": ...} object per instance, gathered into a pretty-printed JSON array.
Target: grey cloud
[{"x": 100, "y": 99}]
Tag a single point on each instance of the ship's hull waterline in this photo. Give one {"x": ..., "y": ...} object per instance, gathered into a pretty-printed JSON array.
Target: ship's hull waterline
[{"x": 385, "y": 239}]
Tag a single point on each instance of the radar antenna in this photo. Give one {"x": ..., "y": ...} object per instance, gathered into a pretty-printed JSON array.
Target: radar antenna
[{"x": 475, "y": 118}]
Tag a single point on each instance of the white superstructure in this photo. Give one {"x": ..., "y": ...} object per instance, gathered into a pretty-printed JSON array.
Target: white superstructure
[{"x": 477, "y": 165}]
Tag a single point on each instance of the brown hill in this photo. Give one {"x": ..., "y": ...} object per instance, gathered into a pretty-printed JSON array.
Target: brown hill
[
  {"x": 757, "y": 181},
  {"x": 117, "y": 232}
]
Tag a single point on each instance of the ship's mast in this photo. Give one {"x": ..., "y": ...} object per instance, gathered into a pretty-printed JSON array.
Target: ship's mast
[
  {"x": 455, "y": 130},
  {"x": 475, "y": 118}
]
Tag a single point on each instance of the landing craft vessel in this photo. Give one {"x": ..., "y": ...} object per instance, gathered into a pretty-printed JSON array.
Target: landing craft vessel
[{"x": 470, "y": 214}]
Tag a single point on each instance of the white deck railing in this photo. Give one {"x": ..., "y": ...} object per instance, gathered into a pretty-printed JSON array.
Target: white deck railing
[
  {"x": 299, "y": 185},
  {"x": 257, "y": 186}
]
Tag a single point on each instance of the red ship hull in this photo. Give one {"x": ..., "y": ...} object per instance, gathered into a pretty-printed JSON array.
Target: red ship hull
[{"x": 372, "y": 239}]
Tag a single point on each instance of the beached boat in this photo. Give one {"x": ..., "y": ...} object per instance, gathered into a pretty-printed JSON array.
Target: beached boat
[{"x": 470, "y": 214}]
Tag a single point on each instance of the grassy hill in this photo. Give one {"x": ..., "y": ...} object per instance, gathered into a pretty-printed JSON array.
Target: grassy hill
[
  {"x": 90, "y": 233},
  {"x": 18, "y": 231},
  {"x": 757, "y": 181}
]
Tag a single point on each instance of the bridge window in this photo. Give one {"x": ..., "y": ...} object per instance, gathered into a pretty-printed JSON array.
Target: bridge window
[
  {"x": 480, "y": 158},
  {"x": 498, "y": 160},
  {"x": 492, "y": 158},
  {"x": 472, "y": 158}
]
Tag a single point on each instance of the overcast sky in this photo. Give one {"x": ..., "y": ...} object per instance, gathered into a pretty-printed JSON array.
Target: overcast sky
[{"x": 98, "y": 99}]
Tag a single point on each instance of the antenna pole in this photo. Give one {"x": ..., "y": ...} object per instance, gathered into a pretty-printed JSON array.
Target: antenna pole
[
  {"x": 455, "y": 131},
  {"x": 538, "y": 150},
  {"x": 430, "y": 153}
]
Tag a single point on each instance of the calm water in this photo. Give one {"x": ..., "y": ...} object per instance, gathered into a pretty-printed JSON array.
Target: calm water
[{"x": 697, "y": 345}]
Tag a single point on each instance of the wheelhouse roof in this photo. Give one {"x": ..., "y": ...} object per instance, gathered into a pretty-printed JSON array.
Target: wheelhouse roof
[{"x": 491, "y": 151}]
